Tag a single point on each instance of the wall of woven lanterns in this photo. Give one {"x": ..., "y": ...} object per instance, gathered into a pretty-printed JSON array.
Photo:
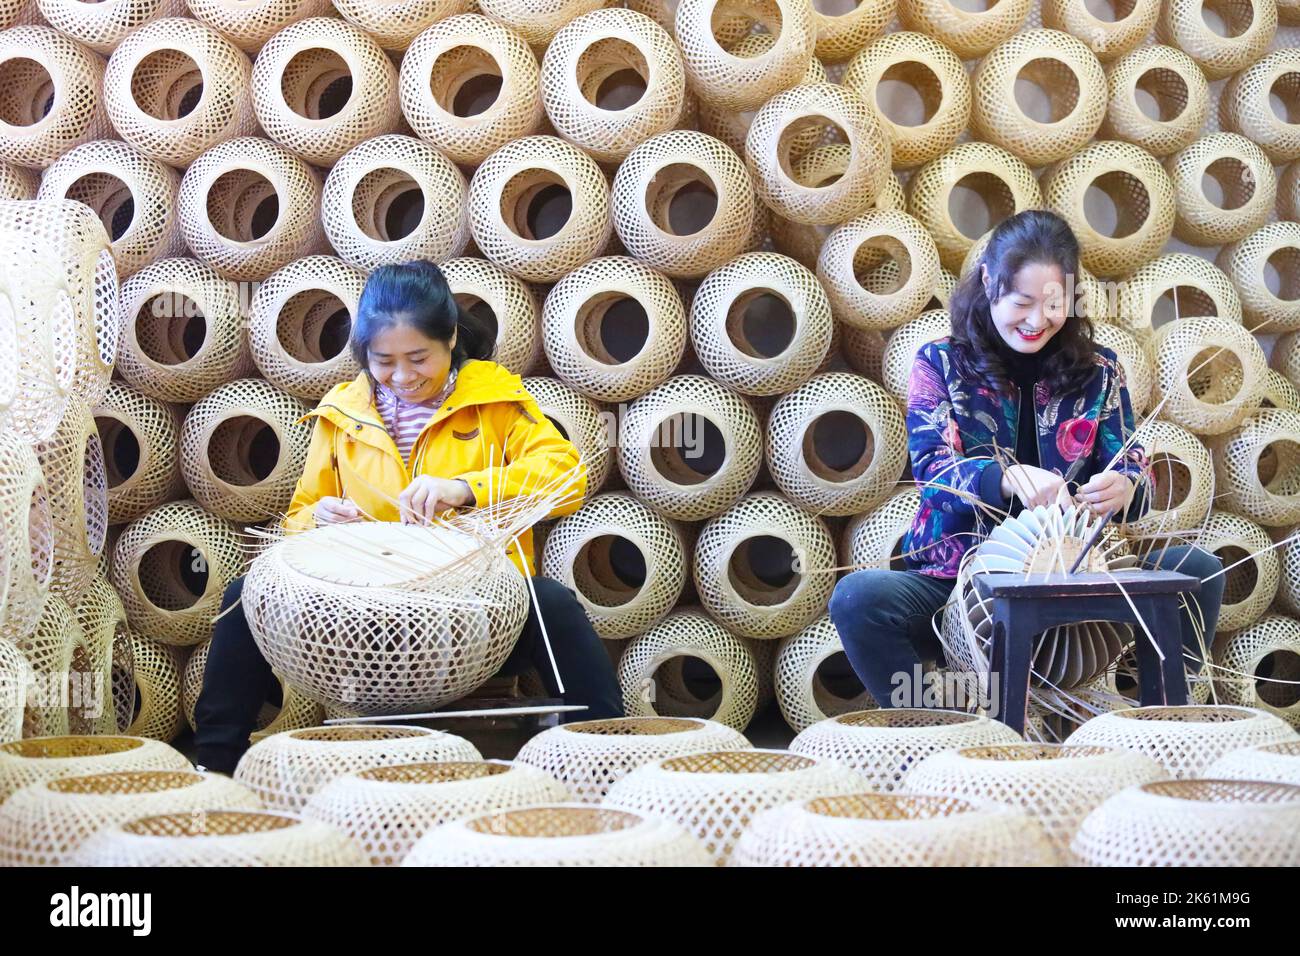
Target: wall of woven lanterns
[{"x": 712, "y": 236}]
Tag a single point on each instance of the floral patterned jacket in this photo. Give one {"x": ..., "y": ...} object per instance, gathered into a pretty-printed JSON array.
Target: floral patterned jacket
[{"x": 957, "y": 426}]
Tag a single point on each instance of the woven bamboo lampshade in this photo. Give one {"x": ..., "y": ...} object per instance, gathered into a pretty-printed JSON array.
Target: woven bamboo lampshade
[
  {"x": 1140, "y": 217},
  {"x": 970, "y": 33},
  {"x": 1261, "y": 666},
  {"x": 590, "y": 756},
  {"x": 1182, "y": 478},
  {"x": 1195, "y": 823},
  {"x": 1246, "y": 105},
  {"x": 1139, "y": 373},
  {"x": 42, "y": 759},
  {"x": 39, "y": 65},
  {"x": 506, "y": 303},
  {"x": 249, "y": 207},
  {"x": 863, "y": 350},
  {"x": 690, "y": 447},
  {"x": 36, "y": 366},
  {"x": 44, "y": 824},
  {"x": 101, "y": 26},
  {"x": 718, "y": 794},
  {"x": 1280, "y": 393},
  {"x": 610, "y": 80},
  {"x": 1278, "y": 763},
  {"x": 1064, "y": 71},
  {"x": 1258, "y": 468},
  {"x": 133, "y": 195},
  {"x": 879, "y": 270},
  {"x": 1252, "y": 568},
  {"x": 1057, "y": 785},
  {"x": 393, "y": 25},
  {"x": 813, "y": 678},
  {"x": 321, "y": 86},
  {"x": 27, "y": 546},
  {"x": 539, "y": 208},
  {"x": 845, "y": 30},
  {"x": 1169, "y": 80},
  {"x": 1265, "y": 268},
  {"x": 102, "y": 619},
  {"x": 151, "y": 690},
  {"x": 469, "y": 86},
  {"x": 1109, "y": 38},
  {"x": 17, "y": 183},
  {"x": 1185, "y": 740},
  {"x": 985, "y": 182},
  {"x": 756, "y": 567},
  {"x": 243, "y": 449},
  {"x": 175, "y": 88},
  {"x": 16, "y": 676},
  {"x": 803, "y": 241},
  {"x": 1288, "y": 192},
  {"x": 582, "y": 422},
  {"x": 874, "y": 539},
  {"x": 56, "y": 650},
  {"x": 386, "y": 810},
  {"x": 293, "y": 712},
  {"x": 613, "y": 328},
  {"x": 1288, "y": 593},
  {"x": 1174, "y": 286},
  {"x": 1247, "y": 29},
  {"x": 286, "y": 770},
  {"x": 250, "y": 23},
  {"x": 72, "y": 460},
  {"x": 626, "y": 563},
  {"x": 1224, "y": 189},
  {"x": 683, "y": 203},
  {"x": 689, "y": 666},
  {"x": 537, "y": 21}
]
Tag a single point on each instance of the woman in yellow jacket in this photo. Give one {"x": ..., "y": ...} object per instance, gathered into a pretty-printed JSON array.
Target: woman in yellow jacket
[{"x": 428, "y": 426}]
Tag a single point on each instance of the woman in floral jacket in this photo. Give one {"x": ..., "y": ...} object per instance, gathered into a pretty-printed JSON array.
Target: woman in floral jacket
[{"x": 1017, "y": 408}]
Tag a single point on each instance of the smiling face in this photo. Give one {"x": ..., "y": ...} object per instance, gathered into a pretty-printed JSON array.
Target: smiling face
[
  {"x": 1032, "y": 310},
  {"x": 408, "y": 362}
]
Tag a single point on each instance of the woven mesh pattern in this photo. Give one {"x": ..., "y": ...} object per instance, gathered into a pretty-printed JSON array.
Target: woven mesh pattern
[
  {"x": 1269, "y": 648},
  {"x": 874, "y": 539},
  {"x": 183, "y": 332},
  {"x": 1185, "y": 740},
  {"x": 385, "y": 810},
  {"x": 1280, "y": 393},
  {"x": 1245, "y": 193},
  {"x": 44, "y": 824},
  {"x": 230, "y": 191},
  {"x": 484, "y": 289},
  {"x": 1192, "y": 285},
  {"x": 296, "y": 89},
  {"x": 653, "y": 674},
  {"x": 841, "y": 35},
  {"x": 736, "y": 82},
  {"x": 1108, "y": 39},
  {"x": 1195, "y": 823},
  {"x": 1278, "y": 763},
  {"x": 626, "y": 563},
  {"x": 1139, "y": 373},
  {"x": 154, "y": 694},
  {"x": 72, "y": 460},
  {"x": 879, "y": 270},
  {"x": 1275, "y": 245},
  {"x": 41, "y": 65},
  {"x": 101, "y": 26},
  {"x": 1182, "y": 478},
  {"x": 537, "y": 21},
  {"x": 17, "y": 183},
  {"x": 1176, "y": 84},
  {"x": 1209, "y": 373},
  {"x": 656, "y": 192},
  {"x": 247, "y": 24},
  {"x": 837, "y": 444},
  {"x": 1257, "y": 468},
  {"x": 803, "y": 241},
  {"x": 102, "y": 619},
  {"x": 863, "y": 350},
  {"x": 1245, "y": 105},
  {"x": 39, "y": 759},
  {"x": 582, "y": 422},
  {"x": 1139, "y": 187},
  {"x": 175, "y": 88},
  {"x": 171, "y": 568},
  {"x": 1288, "y": 592},
  {"x": 441, "y": 72},
  {"x": 51, "y": 648},
  {"x": 27, "y": 546},
  {"x": 1057, "y": 785},
  {"x": 1250, "y": 26},
  {"x": 968, "y": 33},
  {"x": 591, "y": 756},
  {"x": 286, "y": 769},
  {"x": 294, "y": 713},
  {"x": 395, "y": 24},
  {"x": 38, "y": 346},
  {"x": 718, "y": 794},
  {"x": 509, "y": 198},
  {"x": 1249, "y": 588},
  {"x": 16, "y": 675},
  {"x": 803, "y": 692},
  {"x": 1288, "y": 192},
  {"x": 892, "y": 830}
]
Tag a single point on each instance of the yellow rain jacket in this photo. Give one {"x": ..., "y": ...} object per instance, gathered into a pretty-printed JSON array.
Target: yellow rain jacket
[{"x": 489, "y": 432}]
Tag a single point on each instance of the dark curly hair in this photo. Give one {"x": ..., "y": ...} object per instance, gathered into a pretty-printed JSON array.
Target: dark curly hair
[{"x": 1033, "y": 236}]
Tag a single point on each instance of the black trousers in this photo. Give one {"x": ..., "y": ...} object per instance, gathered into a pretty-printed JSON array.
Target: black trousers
[{"x": 238, "y": 680}]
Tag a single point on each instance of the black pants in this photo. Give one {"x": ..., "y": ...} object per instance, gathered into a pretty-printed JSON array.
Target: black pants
[{"x": 238, "y": 680}]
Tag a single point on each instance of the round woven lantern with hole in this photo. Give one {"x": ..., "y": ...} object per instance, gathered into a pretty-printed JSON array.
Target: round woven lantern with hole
[
  {"x": 1139, "y": 373},
  {"x": 879, "y": 270},
  {"x": 27, "y": 545},
  {"x": 101, "y": 26},
  {"x": 176, "y": 87},
  {"x": 1258, "y": 468},
  {"x": 613, "y": 328},
  {"x": 1288, "y": 593},
  {"x": 1174, "y": 86},
  {"x": 72, "y": 460},
  {"x": 1246, "y": 106},
  {"x": 249, "y": 207},
  {"x": 386, "y": 810},
  {"x": 981, "y": 176},
  {"x": 41, "y": 759},
  {"x": 610, "y": 80},
  {"x": 590, "y": 756},
  {"x": 1140, "y": 192},
  {"x": 1109, "y": 37},
  {"x": 39, "y": 65},
  {"x": 294, "y": 712},
  {"x": 718, "y": 794},
  {"x": 683, "y": 203},
  {"x": 243, "y": 448},
  {"x": 626, "y": 563},
  {"x": 874, "y": 539},
  {"x": 285, "y": 770},
  {"x": 970, "y": 33},
  {"x": 539, "y": 208},
  {"x": 840, "y": 35},
  {"x": 1261, "y": 667},
  {"x": 1280, "y": 393},
  {"x": 1182, "y": 478},
  {"x": 1195, "y": 823},
  {"x": 1246, "y": 32},
  {"x": 321, "y": 87},
  {"x": 393, "y": 24},
  {"x": 582, "y": 422},
  {"x": 1275, "y": 248},
  {"x": 803, "y": 241},
  {"x": 102, "y": 618},
  {"x": 45, "y": 823},
  {"x": 1066, "y": 72},
  {"x": 537, "y": 21},
  {"x": 1250, "y": 586},
  {"x": 809, "y": 687},
  {"x": 250, "y": 23},
  {"x": 133, "y": 196},
  {"x": 469, "y": 86},
  {"x": 153, "y": 696},
  {"x": 1185, "y": 740},
  {"x": 17, "y": 183},
  {"x": 1186, "y": 285},
  {"x": 1240, "y": 195},
  {"x": 761, "y": 324},
  {"x": 759, "y": 567},
  {"x": 773, "y": 135},
  {"x": 893, "y": 830},
  {"x": 1057, "y": 785},
  {"x": 508, "y": 305},
  {"x": 1278, "y": 763},
  {"x": 690, "y": 448}
]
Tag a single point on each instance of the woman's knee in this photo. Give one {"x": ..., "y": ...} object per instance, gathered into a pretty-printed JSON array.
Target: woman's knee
[{"x": 869, "y": 596}]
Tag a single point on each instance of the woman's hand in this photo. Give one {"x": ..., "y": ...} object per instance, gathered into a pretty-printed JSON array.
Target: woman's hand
[
  {"x": 427, "y": 496},
  {"x": 1107, "y": 491},
  {"x": 331, "y": 510},
  {"x": 1033, "y": 486}
]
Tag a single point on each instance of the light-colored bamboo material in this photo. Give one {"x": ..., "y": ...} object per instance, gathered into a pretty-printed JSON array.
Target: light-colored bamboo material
[
  {"x": 1248, "y": 30},
  {"x": 1270, "y": 303},
  {"x": 1209, "y": 374},
  {"x": 970, "y": 33},
  {"x": 803, "y": 241},
  {"x": 842, "y": 34},
  {"x": 1278, "y": 763},
  {"x": 102, "y": 618},
  {"x": 41, "y": 759},
  {"x": 102, "y": 26},
  {"x": 250, "y": 23},
  {"x": 57, "y": 651},
  {"x": 1288, "y": 592},
  {"x": 27, "y": 545},
  {"x": 153, "y": 695},
  {"x": 1246, "y": 104},
  {"x": 592, "y": 431},
  {"x": 395, "y": 24},
  {"x": 1174, "y": 285},
  {"x": 1108, "y": 38},
  {"x": 863, "y": 350},
  {"x": 1170, "y": 80},
  {"x": 16, "y": 676},
  {"x": 806, "y": 690},
  {"x": 1250, "y": 586},
  {"x": 874, "y": 539},
  {"x": 879, "y": 270},
  {"x": 1182, "y": 478},
  {"x": 1280, "y": 393},
  {"x": 506, "y": 303},
  {"x": 1139, "y": 372},
  {"x": 1262, "y": 666},
  {"x": 741, "y": 83},
  {"x": 17, "y": 183},
  {"x": 1288, "y": 192},
  {"x": 72, "y": 460},
  {"x": 1224, "y": 189},
  {"x": 294, "y": 712},
  {"x": 537, "y": 21},
  {"x": 1257, "y": 468}
]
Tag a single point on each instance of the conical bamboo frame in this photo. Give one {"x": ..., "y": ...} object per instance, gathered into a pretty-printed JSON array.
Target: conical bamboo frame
[{"x": 1176, "y": 85}]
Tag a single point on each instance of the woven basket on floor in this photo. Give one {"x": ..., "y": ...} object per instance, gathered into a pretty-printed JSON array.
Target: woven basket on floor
[
  {"x": 141, "y": 441},
  {"x": 1209, "y": 374},
  {"x": 1108, "y": 38},
  {"x": 1249, "y": 27},
  {"x": 1246, "y": 107},
  {"x": 1249, "y": 587},
  {"x": 1247, "y": 262},
  {"x": 804, "y": 690},
  {"x": 970, "y": 33},
  {"x": 582, "y": 422},
  {"x": 1188, "y": 286},
  {"x": 1257, "y": 468},
  {"x": 38, "y": 759},
  {"x": 1171, "y": 79},
  {"x": 248, "y": 25},
  {"x": 491, "y": 293},
  {"x": 1261, "y": 667},
  {"x": 741, "y": 83},
  {"x": 72, "y": 460},
  {"x": 879, "y": 270},
  {"x": 874, "y": 539},
  {"x": 1278, "y": 763},
  {"x": 1182, "y": 479},
  {"x": 27, "y": 548},
  {"x": 1245, "y": 184},
  {"x": 537, "y": 21}
]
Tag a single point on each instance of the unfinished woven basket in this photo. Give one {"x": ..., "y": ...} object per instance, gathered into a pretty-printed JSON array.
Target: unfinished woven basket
[
  {"x": 968, "y": 32},
  {"x": 1261, "y": 667},
  {"x": 1224, "y": 189},
  {"x": 1168, "y": 79},
  {"x": 879, "y": 270},
  {"x": 1209, "y": 374},
  {"x": 1175, "y": 285},
  {"x": 1246, "y": 104},
  {"x": 874, "y": 539},
  {"x": 506, "y": 303},
  {"x": 1278, "y": 763},
  {"x": 813, "y": 678},
  {"x": 1182, "y": 478},
  {"x": 739, "y": 83},
  {"x": 1108, "y": 38},
  {"x": 1248, "y": 29},
  {"x": 27, "y": 545},
  {"x": 1251, "y": 568},
  {"x": 1274, "y": 248},
  {"x": 582, "y": 422},
  {"x": 395, "y": 24},
  {"x": 41, "y": 759},
  {"x": 1257, "y": 468},
  {"x": 386, "y": 810},
  {"x": 72, "y": 460},
  {"x": 250, "y": 23}
]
